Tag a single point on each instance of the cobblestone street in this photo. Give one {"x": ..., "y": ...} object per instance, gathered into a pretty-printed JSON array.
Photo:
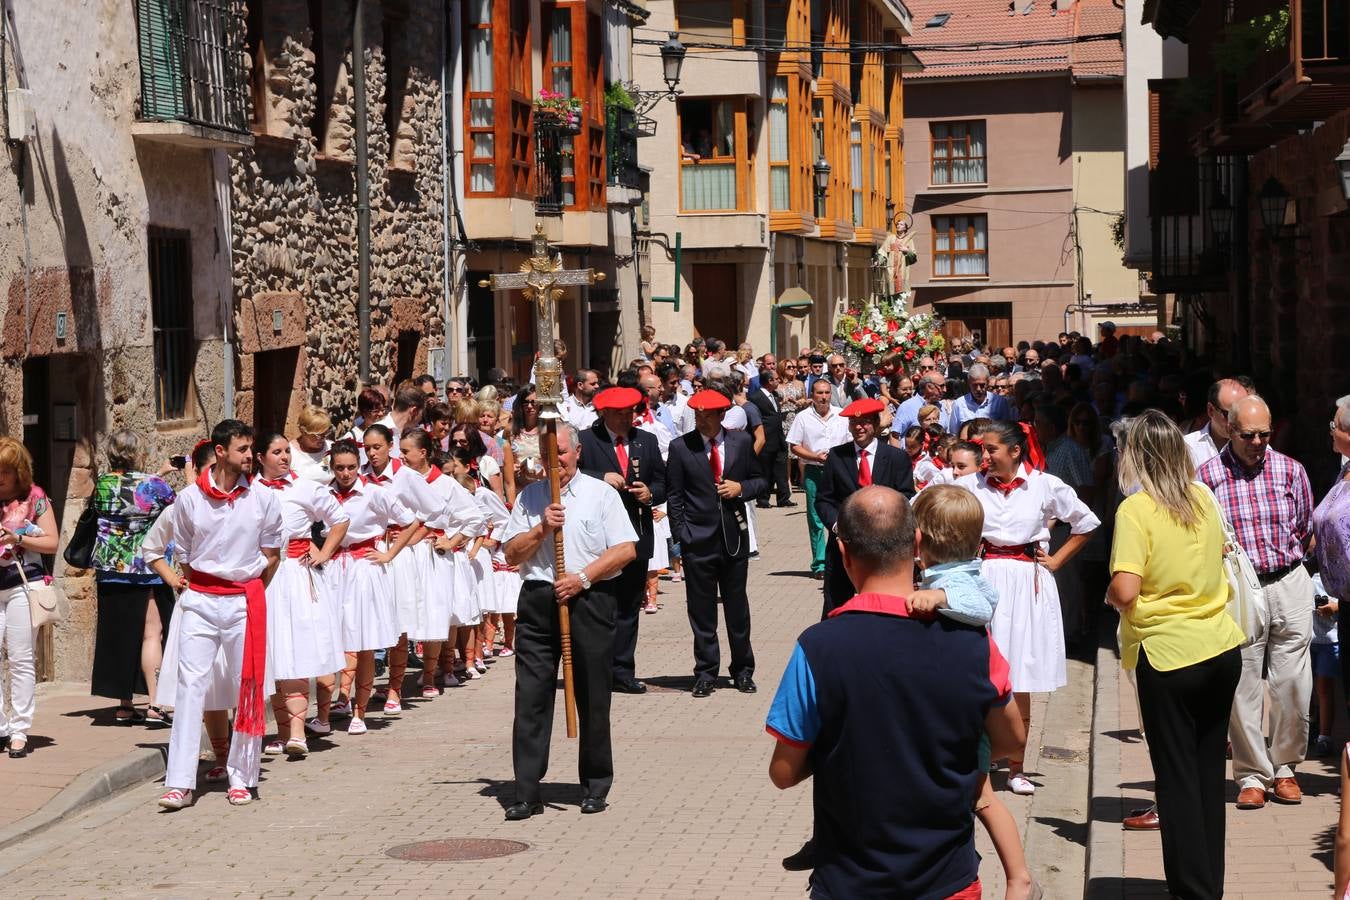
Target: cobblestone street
[{"x": 693, "y": 813}]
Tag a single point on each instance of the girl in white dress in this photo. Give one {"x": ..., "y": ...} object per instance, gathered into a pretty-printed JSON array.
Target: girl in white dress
[
  {"x": 495, "y": 516},
  {"x": 467, "y": 613},
  {"x": 1018, "y": 506},
  {"x": 363, "y": 579},
  {"x": 385, "y": 471},
  {"x": 448, "y": 529},
  {"x": 304, "y": 617}
]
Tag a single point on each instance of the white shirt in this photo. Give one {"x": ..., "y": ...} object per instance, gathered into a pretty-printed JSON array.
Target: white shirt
[
  {"x": 312, "y": 466},
  {"x": 578, "y": 416},
  {"x": 226, "y": 539},
  {"x": 1022, "y": 516},
  {"x": 458, "y": 513},
  {"x": 595, "y": 521},
  {"x": 388, "y": 422},
  {"x": 1202, "y": 447},
  {"x": 658, "y": 429},
  {"x": 371, "y": 510},
  {"x": 720, "y": 439},
  {"x": 304, "y": 502},
  {"x": 735, "y": 419},
  {"x": 816, "y": 433},
  {"x": 410, "y": 488}
]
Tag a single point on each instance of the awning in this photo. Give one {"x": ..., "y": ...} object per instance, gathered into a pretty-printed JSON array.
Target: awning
[{"x": 794, "y": 301}]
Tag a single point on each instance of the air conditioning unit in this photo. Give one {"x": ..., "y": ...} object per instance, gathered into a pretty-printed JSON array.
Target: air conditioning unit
[{"x": 22, "y": 125}]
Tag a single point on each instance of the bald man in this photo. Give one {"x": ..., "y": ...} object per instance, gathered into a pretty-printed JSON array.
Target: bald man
[{"x": 1206, "y": 443}]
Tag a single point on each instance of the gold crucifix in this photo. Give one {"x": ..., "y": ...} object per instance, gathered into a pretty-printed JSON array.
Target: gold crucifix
[{"x": 541, "y": 279}]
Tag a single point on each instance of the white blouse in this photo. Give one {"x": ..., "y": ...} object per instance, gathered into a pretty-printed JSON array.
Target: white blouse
[
  {"x": 304, "y": 502},
  {"x": 411, "y": 488},
  {"x": 225, "y": 539},
  {"x": 456, "y": 512},
  {"x": 1023, "y": 516},
  {"x": 312, "y": 466},
  {"x": 371, "y": 511}
]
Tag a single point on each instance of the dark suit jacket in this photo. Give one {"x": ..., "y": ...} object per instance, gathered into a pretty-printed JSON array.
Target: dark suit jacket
[
  {"x": 774, "y": 439},
  {"x": 699, "y": 520},
  {"x": 644, "y": 464}
]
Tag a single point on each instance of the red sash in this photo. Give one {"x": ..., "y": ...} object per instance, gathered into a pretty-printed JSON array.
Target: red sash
[
  {"x": 994, "y": 551},
  {"x": 250, "y": 715},
  {"x": 361, "y": 549},
  {"x": 297, "y": 547},
  {"x": 503, "y": 567}
]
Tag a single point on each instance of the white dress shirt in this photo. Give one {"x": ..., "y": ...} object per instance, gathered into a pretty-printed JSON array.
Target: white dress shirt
[
  {"x": 661, "y": 432},
  {"x": 871, "y": 451},
  {"x": 595, "y": 520},
  {"x": 1202, "y": 447},
  {"x": 773, "y": 398},
  {"x": 816, "y": 433},
  {"x": 371, "y": 511},
  {"x": 388, "y": 422},
  {"x": 458, "y": 513},
  {"x": 312, "y": 466},
  {"x": 304, "y": 502},
  {"x": 226, "y": 539},
  {"x": 411, "y": 488}
]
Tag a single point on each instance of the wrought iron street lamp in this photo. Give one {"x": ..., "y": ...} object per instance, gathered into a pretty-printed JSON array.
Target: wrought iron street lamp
[
  {"x": 822, "y": 173},
  {"x": 672, "y": 61},
  {"x": 1274, "y": 200},
  {"x": 1221, "y": 219}
]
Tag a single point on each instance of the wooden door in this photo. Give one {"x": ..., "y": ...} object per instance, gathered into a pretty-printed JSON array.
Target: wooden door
[{"x": 717, "y": 302}]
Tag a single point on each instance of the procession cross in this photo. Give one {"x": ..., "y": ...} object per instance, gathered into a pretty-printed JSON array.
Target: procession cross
[{"x": 541, "y": 279}]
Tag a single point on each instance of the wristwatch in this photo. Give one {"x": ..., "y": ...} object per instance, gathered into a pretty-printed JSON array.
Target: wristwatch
[{"x": 585, "y": 582}]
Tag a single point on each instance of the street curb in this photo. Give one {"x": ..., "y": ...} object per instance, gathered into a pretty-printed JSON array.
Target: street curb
[
  {"x": 1105, "y": 837},
  {"x": 136, "y": 767}
]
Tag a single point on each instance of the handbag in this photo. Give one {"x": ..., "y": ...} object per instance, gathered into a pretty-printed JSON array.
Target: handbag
[
  {"x": 46, "y": 602},
  {"x": 1246, "y": 598},
  {"x": 79, "y": 552}
]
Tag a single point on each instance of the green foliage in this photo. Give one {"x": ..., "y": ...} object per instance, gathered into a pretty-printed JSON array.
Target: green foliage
[
  {"x": 1244, "y": 43},
  {"x": 1118, "y": 231},
  {"x": 617, "y": 95}
]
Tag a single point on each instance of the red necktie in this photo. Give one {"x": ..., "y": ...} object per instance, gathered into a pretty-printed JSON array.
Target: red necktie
[
  {"x": 622, "y": 453},
  {"x": 715, "y": 461},
  {"x": 864, "y": 470}
]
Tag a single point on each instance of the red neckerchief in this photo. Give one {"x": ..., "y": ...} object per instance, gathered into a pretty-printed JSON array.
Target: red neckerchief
[
  {"x": 389, "y": 472},
  {"x": 344, "y": 496},
  {"x": 277, "y": 484},
  {"x": 938, "y": 463},
  {"x": 433, "y": 473},
  {"x": 209, "y": 489},
  {"x": 915, "y": 457},
  {"x": 1004, "y": 487}
]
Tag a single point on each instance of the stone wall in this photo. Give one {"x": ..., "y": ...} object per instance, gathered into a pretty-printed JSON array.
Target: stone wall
[{"x": 295, "y": 201}]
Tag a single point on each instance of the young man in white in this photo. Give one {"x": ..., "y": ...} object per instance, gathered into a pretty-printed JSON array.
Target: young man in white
[{"x": 227, "y": 539}]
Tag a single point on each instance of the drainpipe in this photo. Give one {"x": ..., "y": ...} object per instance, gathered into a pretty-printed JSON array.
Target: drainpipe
[
  {"x": 220, "y": 166},
  {"x": 459, "y": 281},
  {"x": 773, "y": 297},
  {"x": 446, "y": 259},
  {"x": 362, "y": 191}
]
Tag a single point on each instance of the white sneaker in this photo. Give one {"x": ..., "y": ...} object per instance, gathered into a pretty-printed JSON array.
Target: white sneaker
[
  {"x": 393, "y": 708},
  {"x": 1021, "y": 785},
  {"x": 357, "y": 726},
  {"x": 314, "y": 726},
  {"x": 175, "y": 799},
  {"x": 274, "y": 748},
  {"x": 480, "y": 666}
]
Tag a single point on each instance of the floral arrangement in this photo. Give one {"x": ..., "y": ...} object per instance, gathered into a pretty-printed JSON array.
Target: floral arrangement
[
  {"x": 558, "y": 109},
  {"x": 881, "y": 335}
]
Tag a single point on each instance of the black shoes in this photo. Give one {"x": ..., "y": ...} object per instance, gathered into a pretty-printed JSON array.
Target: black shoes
[
  {"x": 744, "y": 683},
  {"x": 518, "y": 811},
  {"x": 703, "y": 687},
  {"x": 786, "y": 505},
  {"x": 629, "y": 686},
  {"x": 804, "y": 860},
  {"x": 762, "y": 504},
  {"x": 593, "y": 805}
]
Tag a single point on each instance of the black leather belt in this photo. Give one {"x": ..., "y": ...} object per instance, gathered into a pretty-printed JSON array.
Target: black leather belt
[{"x": 1267, "y": 578}]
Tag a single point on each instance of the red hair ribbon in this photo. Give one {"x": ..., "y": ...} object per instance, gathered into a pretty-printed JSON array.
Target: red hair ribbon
[{"x": 1035, "y": 455}]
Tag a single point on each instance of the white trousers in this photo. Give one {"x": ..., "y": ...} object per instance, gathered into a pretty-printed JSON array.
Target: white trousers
[
  {"x": 1282, "y": 654},
  {"x": 209, "y": 624},
  {"x": 16, "y": 633}
]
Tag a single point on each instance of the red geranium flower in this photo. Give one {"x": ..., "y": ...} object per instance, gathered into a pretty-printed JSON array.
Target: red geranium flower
[
  {"x": 857, "y": 335},
  {"x": 909, "y": 354},
  {"x": 923, "y": 342},
  {"x": 892, "y": 325}
]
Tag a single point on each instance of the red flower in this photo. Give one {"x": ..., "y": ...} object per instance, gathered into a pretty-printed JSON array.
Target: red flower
[
  {"x": 913, "y": 335},
  {"x": 909, "y": 354},
  {"x": 857, "y": 335},
  {"x": 892, "y": 325},
  {"x": 869, "y": 347},
  {"x": 923, "y": 342}
]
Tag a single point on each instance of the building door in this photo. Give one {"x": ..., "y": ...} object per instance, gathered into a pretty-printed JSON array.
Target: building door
[
  {"x": 716, "y": 302},
  {"x": 274, "y": 380},
  {"x": 985, "y": 324},
  {"x": 406, "y": 349},
  {"x": 482, "y": 339}
]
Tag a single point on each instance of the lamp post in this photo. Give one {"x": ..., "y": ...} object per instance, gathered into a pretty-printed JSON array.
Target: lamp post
[
  {"x": 672, "y": 61},
  {"x": 822, "y": 173},
  {"x": 1221, "y": 220},
  {"x": 1274, "y": 200}
]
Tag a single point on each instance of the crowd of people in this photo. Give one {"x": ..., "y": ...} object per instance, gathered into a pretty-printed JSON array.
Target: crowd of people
[{"x": 1030, "y": 482}]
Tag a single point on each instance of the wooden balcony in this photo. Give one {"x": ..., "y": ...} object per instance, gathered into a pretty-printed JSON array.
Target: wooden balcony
[{"x": 1308, "y": 78}]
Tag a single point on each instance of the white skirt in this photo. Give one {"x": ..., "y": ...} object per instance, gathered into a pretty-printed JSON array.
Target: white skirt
[
  {"x": 660, "y": 545},
  {"x": 508, "y": 591},
  {"x": 304, "y": 621},
  {"x": 485, "y": 582},
  {"x": 1026, "y": 626},
  {"x": 406, "y": 573},
  {"x": 223, "y": 691},
  {"x": 464, "y": 608},
  {"x": 432, "y": 619},
  {"x": 750, "y": 521},
  {"x": 369, "y": 620}
]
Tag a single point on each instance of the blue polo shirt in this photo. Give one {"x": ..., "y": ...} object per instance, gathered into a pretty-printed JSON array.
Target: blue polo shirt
[{"x": 892, "y": 709}]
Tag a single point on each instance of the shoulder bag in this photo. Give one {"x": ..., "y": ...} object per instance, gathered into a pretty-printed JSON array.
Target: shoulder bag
[
  {"x": 46, "y": 602},
  {"x": 79, "y": 552},
  {"x": 1246, "y": 598}
]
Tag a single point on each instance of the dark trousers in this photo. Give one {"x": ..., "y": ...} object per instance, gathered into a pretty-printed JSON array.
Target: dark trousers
[
  {"x": 706, "y": 574},
  {"x": 1185, "y": 713},
  {"x": 773, "y": 463},
  {"x": 630, "y": 590},
  {"x": 538, "y": 653},
  {"x": 837, "y": 588}
]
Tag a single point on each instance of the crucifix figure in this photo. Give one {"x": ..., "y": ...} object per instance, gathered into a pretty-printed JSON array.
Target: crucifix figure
[{"x": 541, "y": 279}]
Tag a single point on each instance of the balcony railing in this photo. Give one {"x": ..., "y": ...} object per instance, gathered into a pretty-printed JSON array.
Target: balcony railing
[
  {"x": 193, "y": 63},
  {"x": 1301, "y": 71},
  {"x": 621, "y": 139},
  {"x": 708, "y": 186},
  {"x": 549, "y": 187},
  {"x": 1187, "y": 255}
]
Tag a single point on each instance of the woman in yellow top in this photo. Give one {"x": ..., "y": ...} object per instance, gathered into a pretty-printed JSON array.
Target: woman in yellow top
[{"x": 1168, "y": 582}]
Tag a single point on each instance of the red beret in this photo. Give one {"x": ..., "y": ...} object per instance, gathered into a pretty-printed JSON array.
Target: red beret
[
  {"x": 864, "y": 407},
  {"x": 709, "y": 400},
  {"x": 618, "y": 398}
]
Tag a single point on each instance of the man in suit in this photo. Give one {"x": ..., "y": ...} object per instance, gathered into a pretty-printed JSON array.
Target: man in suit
[
  {"x": 773, "y": 456},
  {"x": 862, "y": 461},
  {"x": 628, "y": 460},
  {"x": 713, "y": 472}
]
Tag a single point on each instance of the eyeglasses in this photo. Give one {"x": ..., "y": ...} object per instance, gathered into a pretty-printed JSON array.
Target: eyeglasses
[
  {"x": 926, "y": 368},
  {"x": 1254, "y": 435},
  {"x": 456, "y": 390}
]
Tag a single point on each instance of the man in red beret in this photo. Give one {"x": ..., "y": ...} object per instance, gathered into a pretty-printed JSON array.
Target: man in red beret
[
  {"x": 862, "y": 461},
  {"x": 628, "y": 459},
  {"x": 712, "y": 474}
]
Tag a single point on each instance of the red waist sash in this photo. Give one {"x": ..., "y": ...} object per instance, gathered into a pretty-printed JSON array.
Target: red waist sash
[
  {"x": 250, "y": 715},
  {"x": 503, "y": 567},
  {"x": 1021, "y": 552},
  {"x": 361, "y": 549},
  {"x": 297, "y": 547}
]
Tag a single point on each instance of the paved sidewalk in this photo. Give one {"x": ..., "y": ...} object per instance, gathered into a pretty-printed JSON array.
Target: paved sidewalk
[
  {"x": 693, "y": 812},
  {"x": 1273, "y": 853}
]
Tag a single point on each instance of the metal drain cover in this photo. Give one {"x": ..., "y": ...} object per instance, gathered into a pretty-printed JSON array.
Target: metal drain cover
[
  {"x": 1062, "y": 754},
  {"x": 455, "y": 850}
]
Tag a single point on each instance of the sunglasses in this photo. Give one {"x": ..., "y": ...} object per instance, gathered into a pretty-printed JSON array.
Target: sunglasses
[
  {"x": 456, "y": 390},
  {"x": 1254, "y": 435}
]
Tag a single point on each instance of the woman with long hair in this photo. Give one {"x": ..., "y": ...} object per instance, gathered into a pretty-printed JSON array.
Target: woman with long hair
[
  {"x": 134, "y": 604},
  {"x": 525, "y": 437},
  {"x": 1026, "y": 626},
  {"x": 304, "y": 616},
  {"x": 28, "y": 531},
  {"x": 369, "y": 615},
  {"x": 467, "y": 434},
  {"x": 1168, "y": 583}
]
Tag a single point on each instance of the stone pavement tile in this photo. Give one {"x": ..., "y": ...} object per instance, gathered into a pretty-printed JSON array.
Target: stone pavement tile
[{"x": 693, "y": 812}]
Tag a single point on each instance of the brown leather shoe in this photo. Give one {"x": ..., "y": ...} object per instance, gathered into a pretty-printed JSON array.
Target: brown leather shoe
[
  {"x": 1286, "y": 790},
  {"x": 1251, "y": 798},
  {"x": 1144, "y": 821}
]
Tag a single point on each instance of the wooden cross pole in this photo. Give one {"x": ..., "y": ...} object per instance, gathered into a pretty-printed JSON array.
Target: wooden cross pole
[{"x": 541, "y": 279}]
